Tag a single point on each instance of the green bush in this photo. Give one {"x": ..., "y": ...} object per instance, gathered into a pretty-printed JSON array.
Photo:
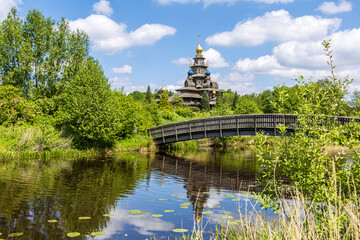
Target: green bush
[
  {"x": 88, "y": 108},
  {"x": 14, "y": 107},
  {"x": 185, "y": 112}
]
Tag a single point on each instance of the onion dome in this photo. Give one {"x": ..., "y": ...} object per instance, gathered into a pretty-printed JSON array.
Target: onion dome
[
  {"x": 207, "y": 72},
  {"x": 214, "y": 92},
  {"x": 190, "y": 72},
  {"x": 163, "y": 89},
  {"x": 199, "y": 49}
]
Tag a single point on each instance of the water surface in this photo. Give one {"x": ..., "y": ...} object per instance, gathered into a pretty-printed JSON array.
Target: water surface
[{"x": 162, "y": 193}]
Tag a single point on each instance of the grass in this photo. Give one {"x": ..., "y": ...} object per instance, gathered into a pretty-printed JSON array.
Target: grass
[{"x": 139, "y": 143}]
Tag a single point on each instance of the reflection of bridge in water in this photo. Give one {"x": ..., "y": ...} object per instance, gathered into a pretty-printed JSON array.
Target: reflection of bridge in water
[
  {"x": 200, "y": 177},
  {"x": 235, "y": 125}
]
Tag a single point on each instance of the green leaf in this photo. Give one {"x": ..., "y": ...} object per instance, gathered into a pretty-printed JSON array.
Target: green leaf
[
  {"x": 134, "y": 211},
  {"x": 207, "y": 212},
  {"x": 227, "y": 216},
  {"x": 97, "y": 233},
  {"x": 157, "y": 215},
  {"x": 108, "y": 215},
  {"x": 168, "y": 211},
  {"x": 235, "y": 200},
  {"x": 163, "y": 199},
  {"x": 229, "y": 195},
  {"x": 185, "y": 204},
  {"x": 52, "y": 221},
  {"x": 180, "y": 230},
  {"x": 15, "y": 234},
  {"x": 84, "y": 218},
  {"x": 73, "y": 234}
]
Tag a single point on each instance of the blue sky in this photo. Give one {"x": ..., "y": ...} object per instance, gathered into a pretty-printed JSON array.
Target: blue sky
[{"x": 251, "y": 45}]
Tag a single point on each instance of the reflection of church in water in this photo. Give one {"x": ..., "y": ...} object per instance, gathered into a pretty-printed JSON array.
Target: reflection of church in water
[
  {"x": 198, "y": 82},
  {"x": 199, "y": 178}
]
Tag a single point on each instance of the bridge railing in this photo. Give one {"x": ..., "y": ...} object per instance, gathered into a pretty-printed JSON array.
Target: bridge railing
[{"x": 234, "y": 125}]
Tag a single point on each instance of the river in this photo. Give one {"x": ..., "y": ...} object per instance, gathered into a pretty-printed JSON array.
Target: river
[{"x": 127, "y": 196}]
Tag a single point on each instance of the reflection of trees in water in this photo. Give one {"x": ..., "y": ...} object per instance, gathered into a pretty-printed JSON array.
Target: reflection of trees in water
[
  {"x": 200, "y": 176},
  {"x": 36, "y": 194}
]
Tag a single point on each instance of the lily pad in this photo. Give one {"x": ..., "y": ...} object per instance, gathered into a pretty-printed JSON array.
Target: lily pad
[
  {"x": 84, "y": 218},
  {"x": 15, "y": 234},
  {"x": 108, "y": 215},
  {"x": 207, "y": 212},
  {"x": 229, "y": 195},
  {"x": 73, "y": 234},
  {"x": 144, "y": 213},
  {"x": 163, "y": 199},
  {"x": 185, "y": 204},
  {"x": 157, "y": 215},
  {"x": 97, "y": 233},
  {"x": 235, "y": 200},
  {"x": 52, "y": 221},
  {"x": 206, "y": 192},
  {"x": 134, "y": 211},
  {"x": 216, "y": 206},
  {"x": 168, "y": 210},
  {"x": 180, "y": 230},
  {"x": 227, "y": 216},
  {"x": 233, "y": 223}
]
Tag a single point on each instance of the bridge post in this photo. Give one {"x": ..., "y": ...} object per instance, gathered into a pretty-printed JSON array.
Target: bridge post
[
  {"x": 255, "y": 124},
  {"x": 163, "y": 137},
  {"x": 204, "y": 122},
  {"x": 176, "y": 133},
  {"x": 220, "y": 127},
  {"x": 274, "y": 116},
  {"x": 190, "y": 132},
  {"x": 237, "y": 125}
]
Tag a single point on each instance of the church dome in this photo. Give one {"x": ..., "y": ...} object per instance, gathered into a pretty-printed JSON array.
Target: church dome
[
  {"x": 207, "y": 72},
  {"x": 190, "y": 72},
  {"x": 199, "y": 49}
]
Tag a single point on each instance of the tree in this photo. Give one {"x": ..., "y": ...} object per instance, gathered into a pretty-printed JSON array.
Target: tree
[
  {"x": 38, "y": 55},
  {"x": 177, "y": 102},
  {"x": 88, "y": 108},
  {"x": 164, "y": 103},
  {"x": 247, "y": 105},
  {"x": 205, "y": 102},
  {"x": 148, "y": 95},
  {"x": 13, "y": 106},
  {"x": 235, "y": 100}
]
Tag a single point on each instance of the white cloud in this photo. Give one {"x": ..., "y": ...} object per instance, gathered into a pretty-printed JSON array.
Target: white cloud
[
  {"x": 6, "y": 5},
  {"x": 307, "y": 58},
  {"x": 110, "y": 37},
  {"x": 213, "y": 56},
  {"x": 181, "y": 61},
  {"x": 215, "y": 59},
  {"x": 126, "y": 69},
  {"x": 209, "y": 2},
  {"x": 276, "y": 26},
  {"x": 332, "y": 8},
  {"x": 103, "y": 7},
  {"x": 241, "y": 82}
]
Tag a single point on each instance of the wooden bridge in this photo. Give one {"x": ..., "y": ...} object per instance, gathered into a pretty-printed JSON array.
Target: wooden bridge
[{"x": 235, "y": 125}]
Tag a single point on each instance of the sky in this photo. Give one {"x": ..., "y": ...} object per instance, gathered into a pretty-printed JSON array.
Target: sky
[{"x": 251, "y": 45}]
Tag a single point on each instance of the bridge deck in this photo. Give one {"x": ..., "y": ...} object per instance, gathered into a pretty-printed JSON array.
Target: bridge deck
[{"x": 234, "y": 125}]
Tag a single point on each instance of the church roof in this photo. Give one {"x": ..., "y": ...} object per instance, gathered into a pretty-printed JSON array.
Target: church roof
[{"x": 190, "y": 95}]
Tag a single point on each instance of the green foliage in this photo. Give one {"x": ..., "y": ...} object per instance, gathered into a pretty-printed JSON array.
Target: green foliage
[
  {"x": 185, "y": 112},
  {"x": 138, "y": 96},
  {"x": 301, "y": 162},
  {"x": 38, "y": 55},
  {"x": 205, "y": 102},
  {"x": 247, "y": 105},
  {"x": 220, "y": 108},
  {"x": 88, "y": 106},
  {"x": 177, "y": 102},
  {"x": 14, "y": 107},
  {"x": 148, "y": 96},
  {"x": 164, "y": 103}
]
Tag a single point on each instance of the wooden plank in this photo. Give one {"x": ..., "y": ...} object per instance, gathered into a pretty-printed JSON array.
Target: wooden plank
[
  {"x": 163, "y": 137},
  {"x": 204, "y": 122},
  {"x": 190, "y": 131},
  {"x": 176, "y": 133}
]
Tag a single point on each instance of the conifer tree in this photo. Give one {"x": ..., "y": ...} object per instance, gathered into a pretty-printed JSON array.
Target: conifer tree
[
  {"x": 205, "y": 102},
  {"x": 235, "y": 100},
  {"x": 164, "y": 102},
  {"x": 148, "y": 95}
]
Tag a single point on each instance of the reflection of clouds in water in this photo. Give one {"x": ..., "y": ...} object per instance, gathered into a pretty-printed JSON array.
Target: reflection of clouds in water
[
  {"x": 214, "y": 199},
  {"x": 143, "y": 224}
]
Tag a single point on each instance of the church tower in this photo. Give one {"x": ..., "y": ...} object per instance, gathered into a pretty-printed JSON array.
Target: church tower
[{"x": 197, "y": 82}]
